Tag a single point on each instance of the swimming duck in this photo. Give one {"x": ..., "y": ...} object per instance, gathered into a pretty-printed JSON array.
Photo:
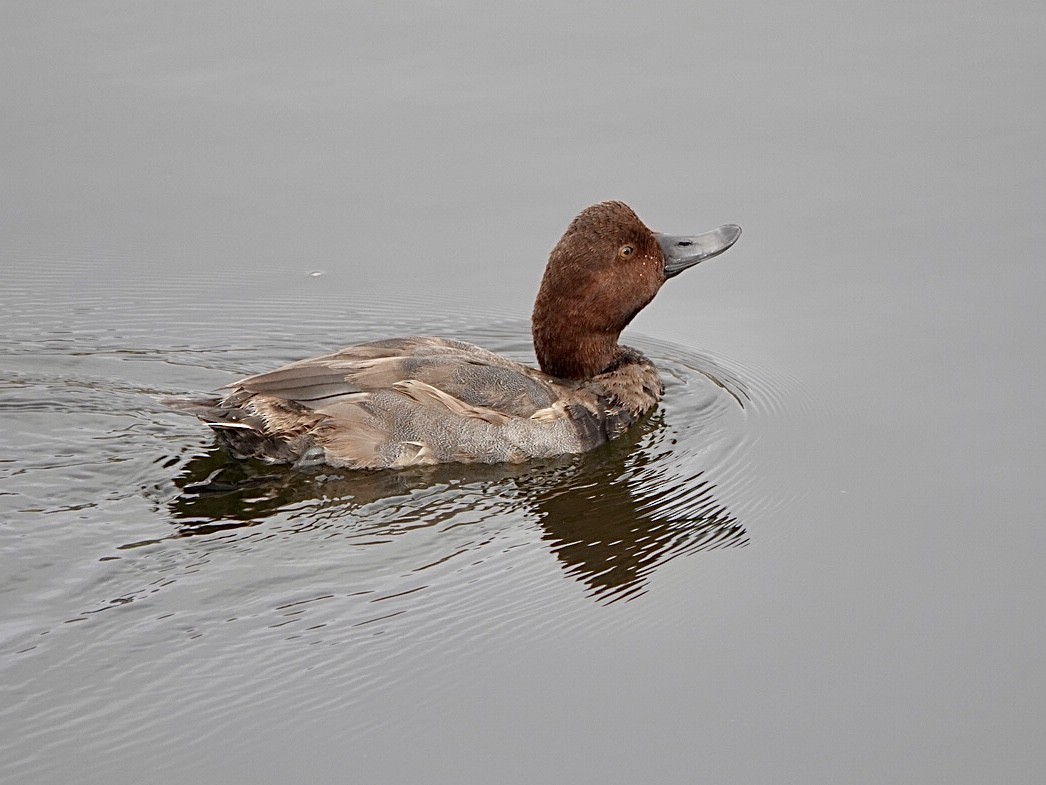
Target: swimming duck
[{"x": 412, "y": 401}]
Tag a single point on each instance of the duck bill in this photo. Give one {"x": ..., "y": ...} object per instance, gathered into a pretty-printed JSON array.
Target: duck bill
[{"x": 682, "y": 252}]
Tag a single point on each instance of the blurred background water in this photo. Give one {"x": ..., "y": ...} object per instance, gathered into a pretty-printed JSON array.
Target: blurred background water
[{"x": 820, "y": 560}]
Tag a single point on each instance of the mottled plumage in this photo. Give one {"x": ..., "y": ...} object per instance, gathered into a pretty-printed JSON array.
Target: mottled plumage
[{"x": 410, "y": 401}]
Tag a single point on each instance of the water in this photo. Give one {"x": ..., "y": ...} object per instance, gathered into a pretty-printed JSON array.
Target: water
[{"x": 818, "y": 561}]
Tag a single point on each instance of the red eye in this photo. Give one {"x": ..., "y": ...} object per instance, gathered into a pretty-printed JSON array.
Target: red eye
[{"x": 625, "y": 251}]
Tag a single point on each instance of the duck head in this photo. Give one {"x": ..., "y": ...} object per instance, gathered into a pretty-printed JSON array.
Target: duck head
[{"x": 604, "y": 270}]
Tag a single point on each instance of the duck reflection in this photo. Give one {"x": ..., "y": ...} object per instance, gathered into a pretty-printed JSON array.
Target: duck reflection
[
  {"x": 611, "y": 516},
  {"x": 613, "y": 522}
]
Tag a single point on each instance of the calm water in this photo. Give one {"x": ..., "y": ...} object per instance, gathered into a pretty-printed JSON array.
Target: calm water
[{"x": 820, "y": 560}]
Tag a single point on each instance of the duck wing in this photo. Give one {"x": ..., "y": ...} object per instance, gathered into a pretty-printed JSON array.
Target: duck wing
[
  {"x": 395, "y": 403},
  {"x": 426, "y": 369}
]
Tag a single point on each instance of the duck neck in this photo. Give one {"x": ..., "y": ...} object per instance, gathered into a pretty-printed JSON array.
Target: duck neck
[{"x": 565, "y": 348}]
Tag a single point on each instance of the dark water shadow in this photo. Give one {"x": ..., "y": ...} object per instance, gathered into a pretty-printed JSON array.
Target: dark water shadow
[
  {"x": 611, "y": 517},
  {"x": 617, "y": 516}
]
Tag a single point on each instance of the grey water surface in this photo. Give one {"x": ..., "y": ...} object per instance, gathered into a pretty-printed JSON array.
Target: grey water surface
[{"x": 820, "y": 560}]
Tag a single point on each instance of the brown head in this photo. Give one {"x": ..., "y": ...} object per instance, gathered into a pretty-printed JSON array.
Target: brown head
[{"x": 603, "y": 271}]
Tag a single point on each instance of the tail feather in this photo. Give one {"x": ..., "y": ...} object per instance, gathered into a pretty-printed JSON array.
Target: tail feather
[
  {"x": 216, "y": 412},
  {"x": 245, "y": 433}
]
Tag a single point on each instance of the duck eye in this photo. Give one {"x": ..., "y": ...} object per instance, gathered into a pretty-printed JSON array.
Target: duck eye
[{"x": 625, "y": 251}]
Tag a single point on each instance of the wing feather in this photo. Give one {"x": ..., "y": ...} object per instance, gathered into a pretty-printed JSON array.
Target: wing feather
[{"x": 474, "y": 376}]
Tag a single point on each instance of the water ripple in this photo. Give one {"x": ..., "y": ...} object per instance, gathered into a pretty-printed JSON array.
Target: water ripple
[{"x": 145, "y": 561}]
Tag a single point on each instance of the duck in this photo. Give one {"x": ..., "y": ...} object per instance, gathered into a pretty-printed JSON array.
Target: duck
[{"x": 417, "y": 401}]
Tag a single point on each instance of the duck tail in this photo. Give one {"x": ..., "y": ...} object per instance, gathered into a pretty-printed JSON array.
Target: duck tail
[
  {"x": 215, "y": 412},
  {"x": 245, "y": 433}
]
